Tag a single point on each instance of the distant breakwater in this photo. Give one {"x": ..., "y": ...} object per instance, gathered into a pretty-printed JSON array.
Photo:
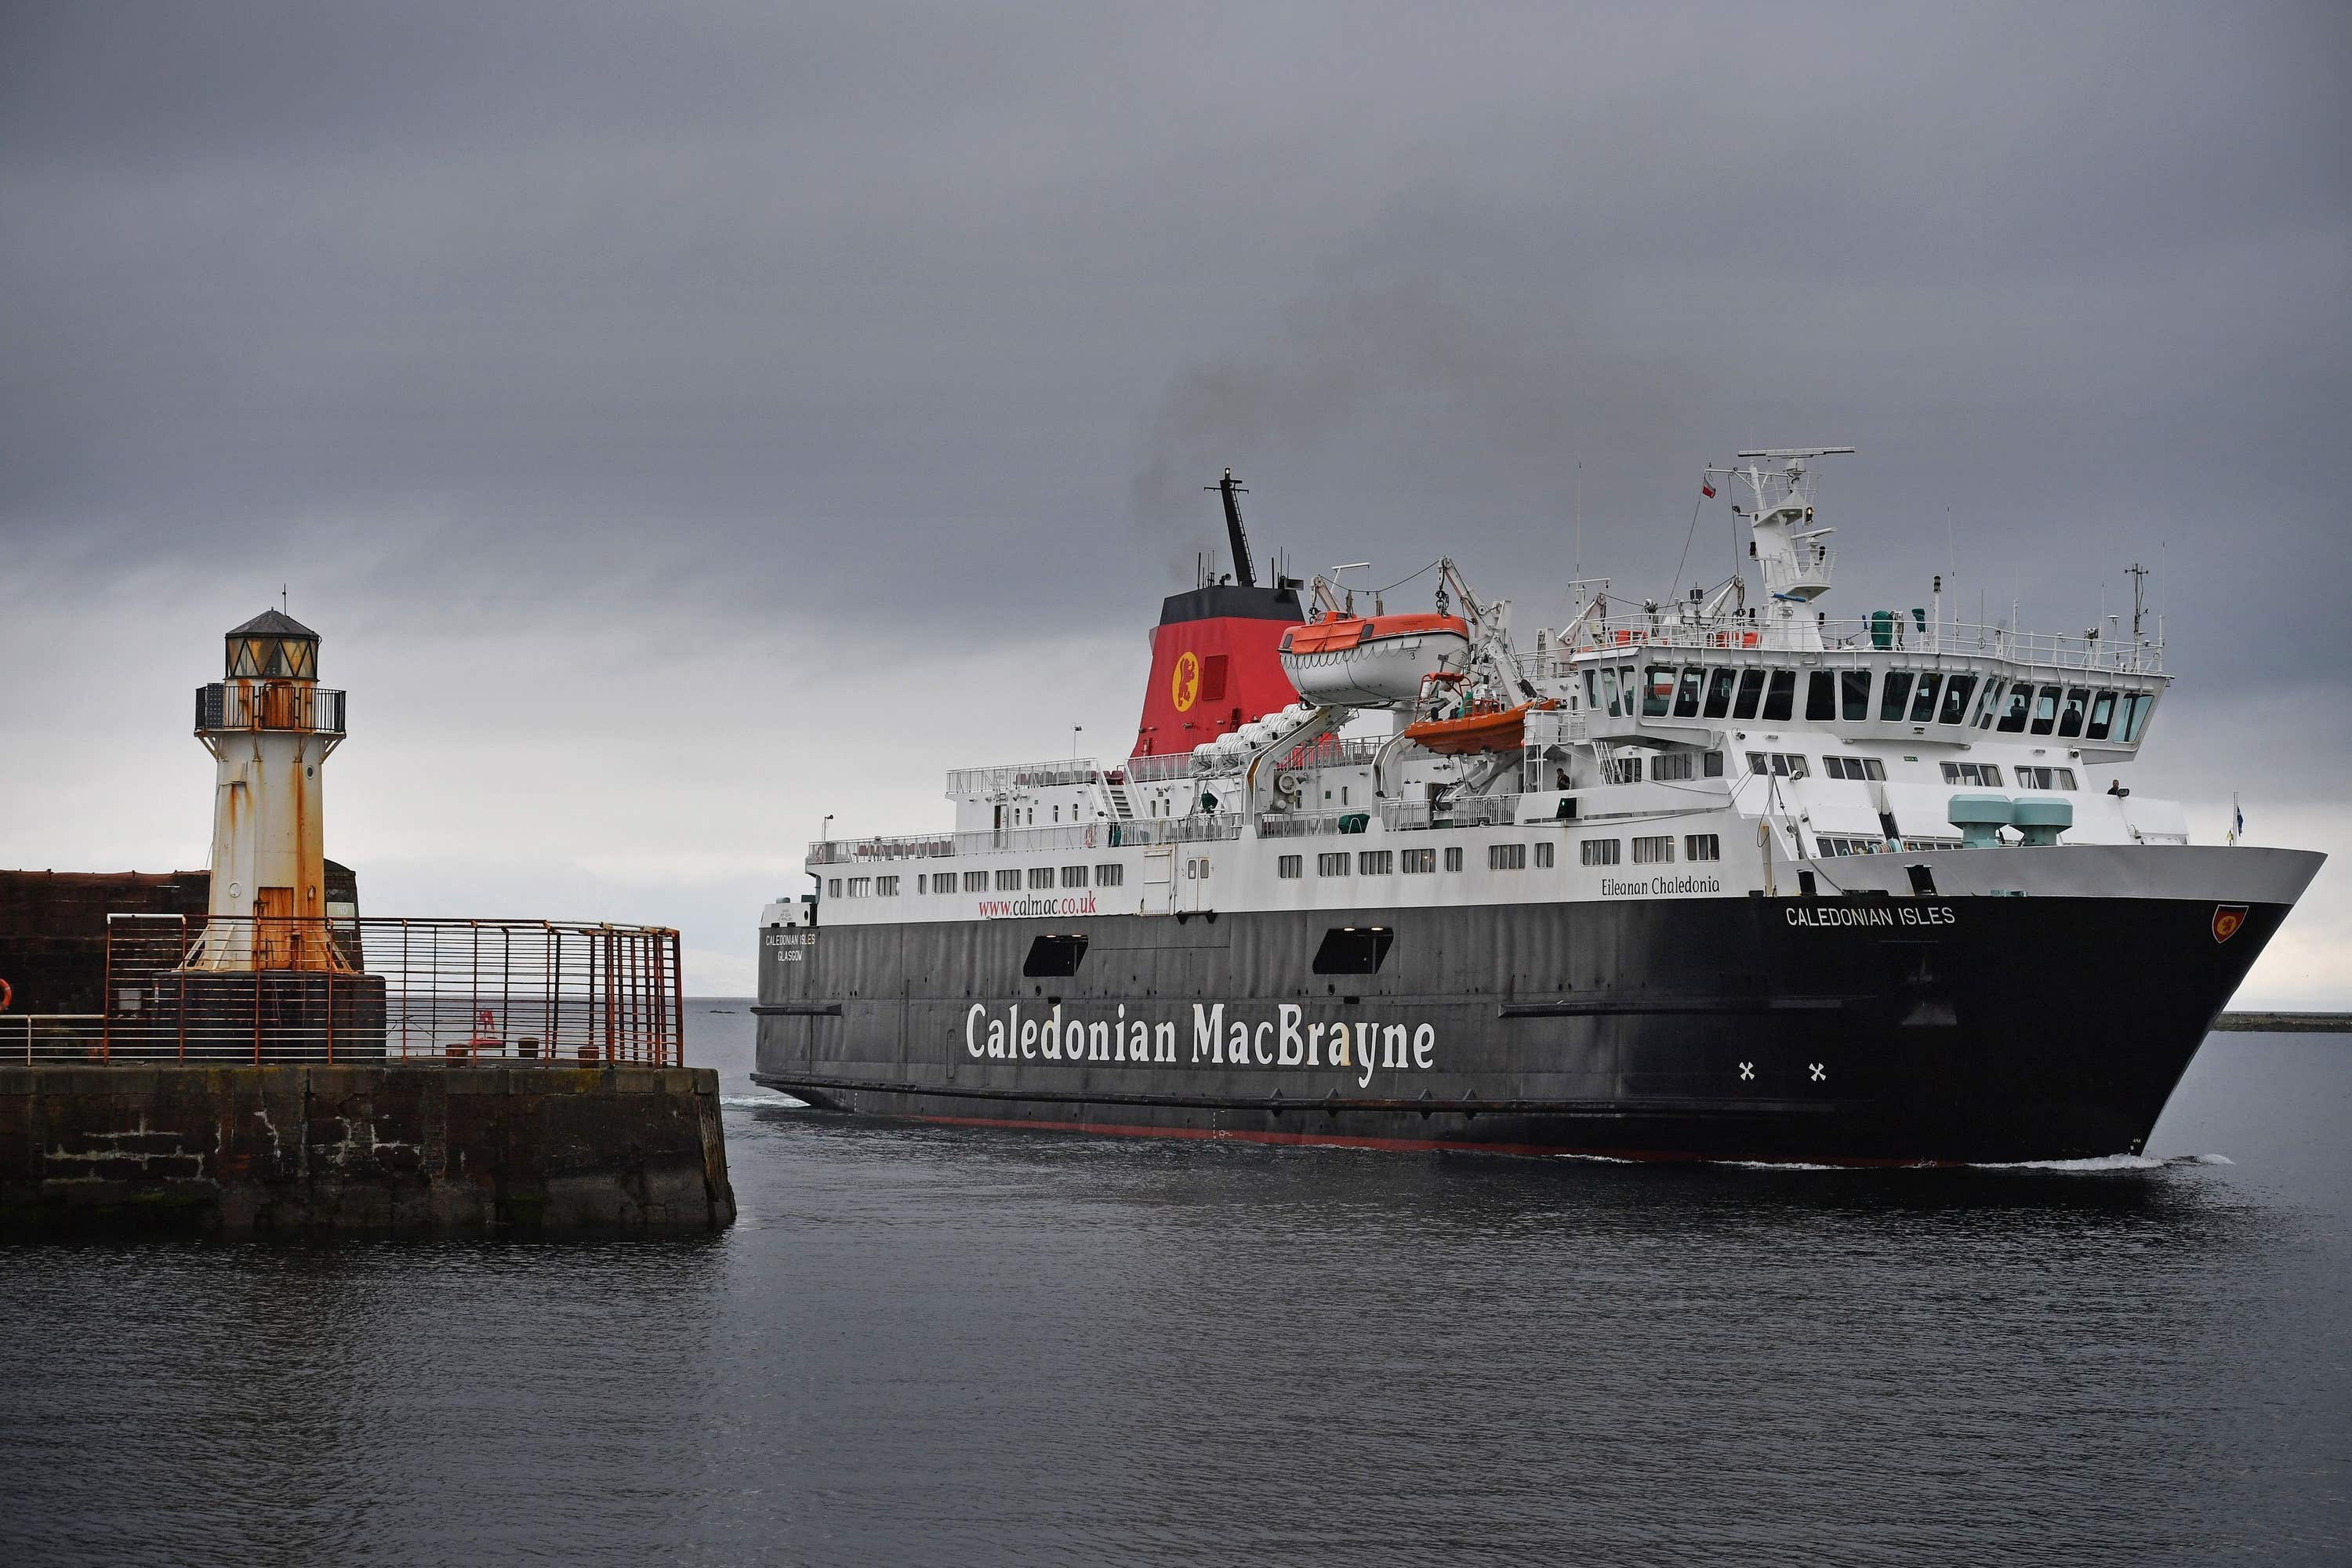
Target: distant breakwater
[{"x": 2287, "y": 1022}]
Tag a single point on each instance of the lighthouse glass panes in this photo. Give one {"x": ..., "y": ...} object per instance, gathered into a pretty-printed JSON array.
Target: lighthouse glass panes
[{"x": 273, "y": 658}]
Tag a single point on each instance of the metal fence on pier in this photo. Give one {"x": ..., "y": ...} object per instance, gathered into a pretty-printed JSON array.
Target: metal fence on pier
[{"x": 522, "y": 993}]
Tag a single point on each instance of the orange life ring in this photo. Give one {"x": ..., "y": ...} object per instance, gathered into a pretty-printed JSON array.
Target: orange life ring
[{"x": 7, "y": 994}]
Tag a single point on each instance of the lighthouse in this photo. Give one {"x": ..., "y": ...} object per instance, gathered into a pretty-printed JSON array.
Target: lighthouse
[{"x": 270, "y": 727}]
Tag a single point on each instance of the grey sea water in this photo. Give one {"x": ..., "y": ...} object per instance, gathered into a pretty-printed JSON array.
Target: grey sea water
[{"x": 935, "y": 1346}]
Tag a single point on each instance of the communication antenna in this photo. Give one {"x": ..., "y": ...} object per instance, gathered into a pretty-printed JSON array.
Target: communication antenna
[{"x": 1579, "y": 519}]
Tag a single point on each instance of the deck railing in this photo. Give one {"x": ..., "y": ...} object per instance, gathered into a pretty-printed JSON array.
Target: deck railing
[
  {"x": 970, "y": 781},
  {"x": 1106, "y": 834},
  {"x": 447, "y": 992},
  {"x": 1895, "y": 635}
]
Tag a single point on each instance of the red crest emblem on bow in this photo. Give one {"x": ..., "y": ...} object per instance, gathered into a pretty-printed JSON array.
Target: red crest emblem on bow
[{"x": 2227, "y": 918}]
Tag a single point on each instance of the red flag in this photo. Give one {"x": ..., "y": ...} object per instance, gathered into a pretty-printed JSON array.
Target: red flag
[{"x": 1706, "y": 488}]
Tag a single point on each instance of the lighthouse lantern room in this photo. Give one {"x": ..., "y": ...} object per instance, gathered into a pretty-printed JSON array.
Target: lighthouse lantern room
[{"x": 270, "y": 728}]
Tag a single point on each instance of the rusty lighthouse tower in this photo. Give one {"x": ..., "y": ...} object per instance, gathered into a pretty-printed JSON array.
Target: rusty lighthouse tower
[{"x": 270, "y": 728}]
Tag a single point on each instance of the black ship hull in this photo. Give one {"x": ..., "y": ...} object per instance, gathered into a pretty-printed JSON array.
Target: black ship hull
[{"x": 1863, "y": 1030}]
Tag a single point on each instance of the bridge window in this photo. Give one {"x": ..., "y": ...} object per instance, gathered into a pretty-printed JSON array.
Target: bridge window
[
  {"x": 1609, "y": 684},
  {"x": 1894, "y": 695},
  {"x": 1988, "y": 704},
  {"x": 1854, "y": 693},
  {"x": 1714, "y": 768},
  {"x": 1623, "y": 770},
  {"x": 2136, "y": 706},
  {"x": 2102, "y": 715},
  {"x": 1656, "y": 851},
  {"x": 1985, "y": 773},
  {"x": 1751, "y": 691},
  {"x": 2045, "y": 778},
  {"x": 2070, "y": 718},
  {"x": 1702, "y": 847},
  {"x": 2019, "y": 709},
  {"x": 1599, "y": 851},
  {"x": 1669, "y": 765},
  {"x": 1821, "y": 698},
  {"x": 1956, "y": 691},
  {"x": 1923, "y": 701},
  {"x": 1780, "y": 697},
  {"x": 1719, "y": 686},
  {"x": 1419, "y": 862},
  {"x": 2045, "y": 710},
  {"x": 1287, "y": 868},
  {"x": 1855, "y": 768},
  {"x": 1659, "y": 694}
]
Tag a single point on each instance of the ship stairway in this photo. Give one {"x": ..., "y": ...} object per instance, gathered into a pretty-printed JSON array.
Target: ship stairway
[{"x": 1119, "y": 804}]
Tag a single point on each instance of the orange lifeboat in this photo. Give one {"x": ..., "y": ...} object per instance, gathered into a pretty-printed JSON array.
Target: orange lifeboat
[{"x": 1495, "y": 730}]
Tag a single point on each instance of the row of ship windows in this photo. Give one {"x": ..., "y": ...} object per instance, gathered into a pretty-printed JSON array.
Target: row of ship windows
[
  {"x": 1008, "y": 881},
  {"x": 1903, "y": 695},
  {"x": 1793, "y": 765},
  {"x": 1647, "y": 851},
  {"x": 1664, "y": 766},
  {"x": 1837, "y": 844}
]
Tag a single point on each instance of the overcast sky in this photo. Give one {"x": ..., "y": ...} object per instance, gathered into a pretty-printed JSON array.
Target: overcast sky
[{"x": 685, "y": 422}]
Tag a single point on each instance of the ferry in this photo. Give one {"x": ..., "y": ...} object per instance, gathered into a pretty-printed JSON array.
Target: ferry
[{"x": 1713, "y": 876}]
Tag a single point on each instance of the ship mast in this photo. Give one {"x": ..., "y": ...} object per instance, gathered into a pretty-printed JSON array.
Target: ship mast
[{"x": 1244, "y": 572}]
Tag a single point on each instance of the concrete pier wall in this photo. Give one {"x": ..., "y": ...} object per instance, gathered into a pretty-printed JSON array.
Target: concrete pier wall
[{"x": 292, "y": 1149}]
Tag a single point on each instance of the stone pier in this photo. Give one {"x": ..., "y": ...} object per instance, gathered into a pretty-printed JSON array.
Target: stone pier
[{"x": 385, "y": 1147}]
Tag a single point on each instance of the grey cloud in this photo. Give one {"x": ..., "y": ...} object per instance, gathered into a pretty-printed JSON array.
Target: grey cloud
[{"x": 730, "y": 313}]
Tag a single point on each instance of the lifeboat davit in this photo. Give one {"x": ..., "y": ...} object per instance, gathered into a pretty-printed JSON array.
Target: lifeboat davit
[
  {"x": 1496, "y": 729},
  {"x": 1372, "y": 661}
]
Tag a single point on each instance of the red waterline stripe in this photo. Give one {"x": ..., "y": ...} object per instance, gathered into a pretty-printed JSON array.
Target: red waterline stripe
[{"x": 1393, "y": 1145}]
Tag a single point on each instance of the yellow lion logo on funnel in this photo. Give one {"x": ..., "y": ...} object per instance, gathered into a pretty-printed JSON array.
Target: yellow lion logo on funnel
[{"x": 1185, "y": 687}]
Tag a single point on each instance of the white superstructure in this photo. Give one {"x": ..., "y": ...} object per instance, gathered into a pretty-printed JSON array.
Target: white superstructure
[{"x": 1704, "y": 747}]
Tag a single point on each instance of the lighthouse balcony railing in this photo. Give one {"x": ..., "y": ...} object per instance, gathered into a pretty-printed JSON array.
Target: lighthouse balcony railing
[{"x": 269, "y": 705}]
